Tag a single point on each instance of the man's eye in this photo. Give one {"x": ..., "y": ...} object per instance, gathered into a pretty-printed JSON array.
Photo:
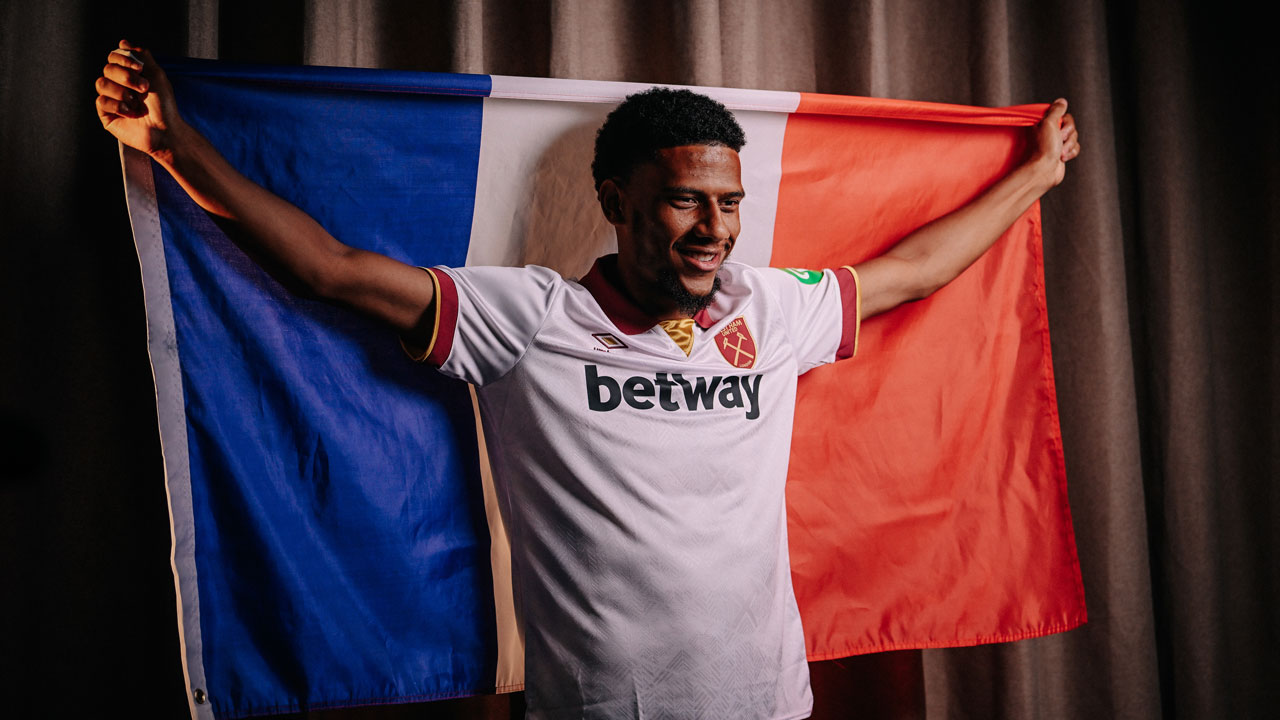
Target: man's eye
[
  {"x": 684, "y": 202},
  {"x": 729, "y": 205}
]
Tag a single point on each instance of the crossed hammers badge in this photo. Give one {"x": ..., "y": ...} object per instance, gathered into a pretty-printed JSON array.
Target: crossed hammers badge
[{"x": 736, "y": 344}]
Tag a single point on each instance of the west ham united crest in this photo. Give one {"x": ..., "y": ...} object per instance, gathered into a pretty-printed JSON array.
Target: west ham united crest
[{"x": 736, "y": 344}]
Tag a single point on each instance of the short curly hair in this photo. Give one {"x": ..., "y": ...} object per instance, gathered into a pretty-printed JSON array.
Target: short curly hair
[{"x": 659, "y": 118}]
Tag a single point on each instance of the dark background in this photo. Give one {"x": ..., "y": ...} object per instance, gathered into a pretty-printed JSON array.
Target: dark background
[{"x": 1162, "y": 250}]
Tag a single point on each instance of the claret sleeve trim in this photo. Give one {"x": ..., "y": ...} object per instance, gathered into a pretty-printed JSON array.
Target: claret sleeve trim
[
  {"x": 444, "y": 322},
  {"x": 446, "y": 318},
  {"x": 851, "y": 304}
]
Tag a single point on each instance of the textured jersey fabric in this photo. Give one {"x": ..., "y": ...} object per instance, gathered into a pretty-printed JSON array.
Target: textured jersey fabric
[{"x": 643, "y": 488}]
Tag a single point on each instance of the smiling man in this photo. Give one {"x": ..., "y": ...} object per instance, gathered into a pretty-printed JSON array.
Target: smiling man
[
  {"x": 669, "y": 179},
  {"x": 677, "y": 220},
  {"x": 638, "y": 420}
]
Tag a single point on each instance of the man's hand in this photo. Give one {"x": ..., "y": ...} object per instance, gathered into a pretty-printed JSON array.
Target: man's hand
[
  {"x": 136, "y": 104},
  {"x": 135, "y": 101},
  {"x": 937, "y": 253},
  {"x": 1056, "y": 141}
]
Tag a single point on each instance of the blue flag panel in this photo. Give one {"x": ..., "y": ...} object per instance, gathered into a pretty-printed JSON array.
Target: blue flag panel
[{"x": 340, "y": 529}]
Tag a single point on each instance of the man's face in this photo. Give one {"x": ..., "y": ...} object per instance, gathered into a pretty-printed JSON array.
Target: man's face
[{"x": 677, "y": 220}]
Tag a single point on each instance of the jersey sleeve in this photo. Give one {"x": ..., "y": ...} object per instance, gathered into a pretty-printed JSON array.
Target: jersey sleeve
[
  {"x": 485, "y": 319},
  {"x": 821, "y": 310}
]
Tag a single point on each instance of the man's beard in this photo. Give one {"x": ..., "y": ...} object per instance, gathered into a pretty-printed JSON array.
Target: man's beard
[{"x": 686, "y": 302}]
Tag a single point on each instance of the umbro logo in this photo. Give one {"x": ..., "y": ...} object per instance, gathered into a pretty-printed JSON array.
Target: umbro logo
[{"x": 609, "y": 341}]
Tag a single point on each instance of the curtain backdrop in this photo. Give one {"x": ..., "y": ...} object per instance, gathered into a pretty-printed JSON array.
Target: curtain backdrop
[{"x": 1161, "y": 248}]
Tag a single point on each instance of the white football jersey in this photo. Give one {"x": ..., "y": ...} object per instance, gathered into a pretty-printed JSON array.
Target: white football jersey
[{"x": 643, "y": 489}]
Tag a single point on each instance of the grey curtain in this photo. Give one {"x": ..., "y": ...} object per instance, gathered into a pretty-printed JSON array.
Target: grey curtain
[{"x": 1161, "y": 250}]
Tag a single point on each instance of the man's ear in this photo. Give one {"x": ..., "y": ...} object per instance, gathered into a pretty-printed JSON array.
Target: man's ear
[{"x": 612, "y": 202}]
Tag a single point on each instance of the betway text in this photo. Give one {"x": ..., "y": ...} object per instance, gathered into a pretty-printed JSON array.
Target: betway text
[{"x": 667, "y": 391}]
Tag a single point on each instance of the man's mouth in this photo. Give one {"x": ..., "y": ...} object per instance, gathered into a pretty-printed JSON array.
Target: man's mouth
[{"x": 701, "y": 258}]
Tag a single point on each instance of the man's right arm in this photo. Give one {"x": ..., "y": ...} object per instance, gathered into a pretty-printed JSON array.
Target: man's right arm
[{"x": 136, "y": 104}]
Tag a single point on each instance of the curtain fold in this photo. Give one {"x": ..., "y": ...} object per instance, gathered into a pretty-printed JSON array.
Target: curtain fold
[{"x": 1161, "y": 253}]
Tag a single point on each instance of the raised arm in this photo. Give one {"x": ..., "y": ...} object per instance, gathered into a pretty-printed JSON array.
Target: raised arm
[
  {"x": 934, "y": 255},
  {"x": 136, "y": 104}
]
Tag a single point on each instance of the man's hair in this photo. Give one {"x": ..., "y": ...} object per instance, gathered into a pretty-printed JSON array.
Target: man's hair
[{"x": 660, "y": 118}]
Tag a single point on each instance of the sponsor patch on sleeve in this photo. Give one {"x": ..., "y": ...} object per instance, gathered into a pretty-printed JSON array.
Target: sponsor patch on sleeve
[{"x": 808, "y": 277}]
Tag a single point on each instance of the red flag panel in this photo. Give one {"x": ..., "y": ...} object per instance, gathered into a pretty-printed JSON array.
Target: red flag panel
[{"x": 937, "y": 515}]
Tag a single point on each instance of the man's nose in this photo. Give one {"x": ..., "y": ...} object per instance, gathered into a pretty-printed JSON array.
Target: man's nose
[{"x": 715, "y": 224}]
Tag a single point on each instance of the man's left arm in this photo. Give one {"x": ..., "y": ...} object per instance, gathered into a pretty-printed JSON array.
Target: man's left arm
[{"x": 935, "y": 254}]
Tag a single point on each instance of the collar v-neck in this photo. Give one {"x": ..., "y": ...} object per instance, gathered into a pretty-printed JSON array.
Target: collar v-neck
[{"x": 621, "y": 311}]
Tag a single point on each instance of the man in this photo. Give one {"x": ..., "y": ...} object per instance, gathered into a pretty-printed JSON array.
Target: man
[{"x": 640, "y": 419}]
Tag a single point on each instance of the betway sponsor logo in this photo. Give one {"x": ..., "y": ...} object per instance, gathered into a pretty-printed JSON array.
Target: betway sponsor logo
[{"x": 667, "y": 391}]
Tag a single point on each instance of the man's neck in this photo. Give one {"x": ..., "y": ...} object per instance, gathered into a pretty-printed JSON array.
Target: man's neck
[{"x": 660, "y": 308}]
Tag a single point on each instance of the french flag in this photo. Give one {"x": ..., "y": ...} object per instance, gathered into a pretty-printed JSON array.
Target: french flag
[{"x": 336, "y": 540}]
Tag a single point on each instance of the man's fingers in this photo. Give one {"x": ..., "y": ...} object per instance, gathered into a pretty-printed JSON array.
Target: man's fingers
[
  {"x": 129, "y": 49},
  {"x": 132, "y": 57},
  {"x": 107, "y": 106},
  {"x": 126, "y": 77},
  {"x": 109, "y": 109},
  {"x": 1070, "y": 138},
  {"x": 116, "y": 91},
  {"x": 1071, "y": 150},
  {"x": 1067, "y": 124},
  {"x": 1049, "y": 128},
  {"x": 1057, "y": 110},
  {"x": 126, "y": 98},
  {"x": 124, "y": 58},
  {"x": 139, "y": 54},
  {"x": 107, "y": 88},
  {"x": 1071, "y": 145}
]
